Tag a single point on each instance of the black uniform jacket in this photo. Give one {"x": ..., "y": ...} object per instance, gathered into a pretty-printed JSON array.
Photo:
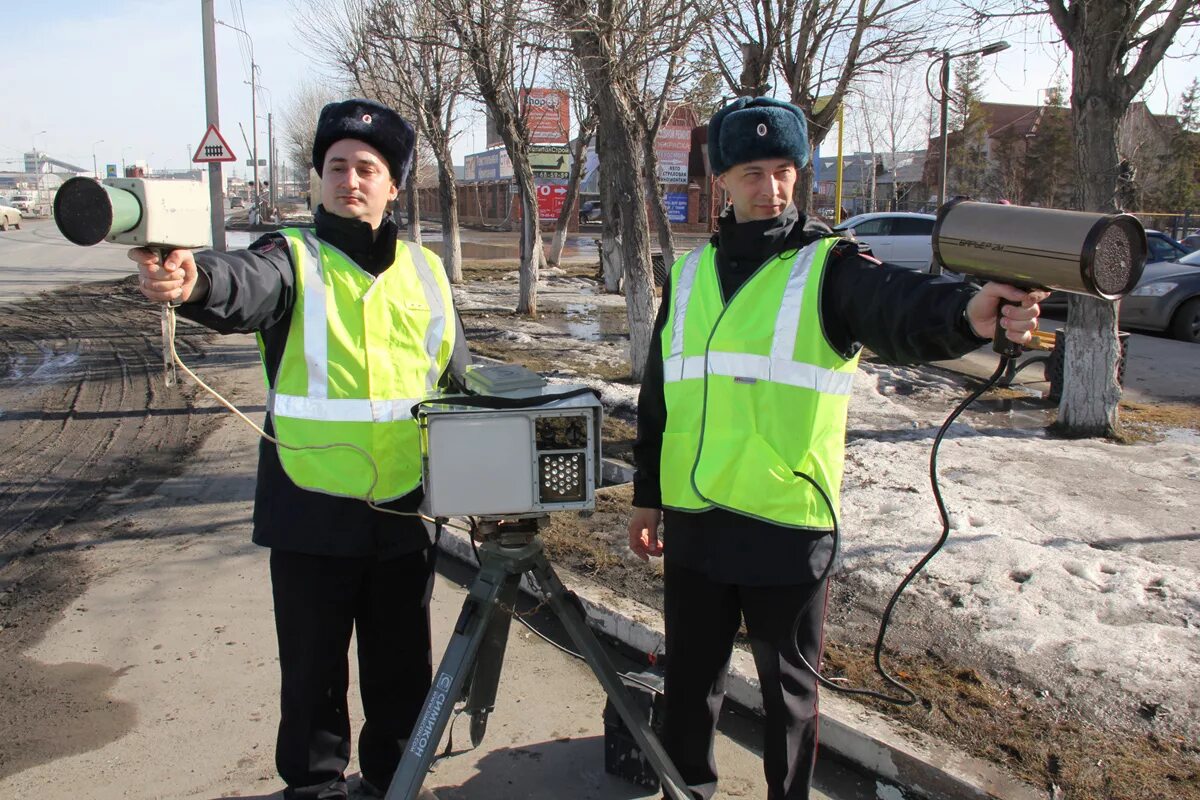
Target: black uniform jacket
[
  {"x": 253, "y": 291},
  {"x": 902, "y": 316}
]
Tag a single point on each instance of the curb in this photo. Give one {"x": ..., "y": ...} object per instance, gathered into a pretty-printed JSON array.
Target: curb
[{"x": 853, "y": 732}]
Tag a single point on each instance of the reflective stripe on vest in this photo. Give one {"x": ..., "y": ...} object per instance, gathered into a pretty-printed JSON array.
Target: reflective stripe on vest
[
  {"x": 754, "y": 392},
  {"x": 370, "y": 347},
  {"x": 779, "y": 367}
]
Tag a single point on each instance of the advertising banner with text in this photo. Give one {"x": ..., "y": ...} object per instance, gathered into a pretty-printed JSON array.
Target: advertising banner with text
[{"x": 548, "y": 114}]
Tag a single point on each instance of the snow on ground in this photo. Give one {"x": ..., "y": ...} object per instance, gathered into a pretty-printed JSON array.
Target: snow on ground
[
  {"x": 1078, "y": 560},
  {"x": 1075, "y": 563}
]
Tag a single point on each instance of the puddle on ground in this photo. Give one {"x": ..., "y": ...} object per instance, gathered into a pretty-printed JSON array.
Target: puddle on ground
[
  {"x": 1017, "y": 413},
  {"x": 478, "y": 250}
]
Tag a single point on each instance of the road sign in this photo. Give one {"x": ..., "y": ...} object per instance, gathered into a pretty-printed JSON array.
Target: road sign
[
  {"x": 550, "y": 161},
  {"x": 110, "y": 170},
  {"x": 213, "y": 147}
]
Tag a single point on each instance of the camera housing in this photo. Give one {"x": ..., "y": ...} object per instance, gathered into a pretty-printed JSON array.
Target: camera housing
[{"x": 511, "y": 462}]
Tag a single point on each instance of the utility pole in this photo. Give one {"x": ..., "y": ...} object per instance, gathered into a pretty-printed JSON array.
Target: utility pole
[
  {"x": 216, "y": 187},
  {"x": 271, "y": 154},
  {"x": 253, "y": 108},
  {"x": 254, "y": 125}
]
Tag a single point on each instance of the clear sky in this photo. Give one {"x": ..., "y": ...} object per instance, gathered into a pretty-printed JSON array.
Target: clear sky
[{"x": 130, "y": 73}]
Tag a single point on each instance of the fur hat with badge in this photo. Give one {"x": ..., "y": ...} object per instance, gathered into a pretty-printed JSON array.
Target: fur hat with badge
[
  {"x": 753, "y": 128},
  {"x": 370, "y": 122}
]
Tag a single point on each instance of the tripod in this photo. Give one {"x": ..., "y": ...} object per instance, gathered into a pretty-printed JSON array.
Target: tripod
[{"x": 470, "y": 667}]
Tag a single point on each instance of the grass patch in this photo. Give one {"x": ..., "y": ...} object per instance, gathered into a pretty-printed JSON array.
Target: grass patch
[{"x": 1031, "y": 736}]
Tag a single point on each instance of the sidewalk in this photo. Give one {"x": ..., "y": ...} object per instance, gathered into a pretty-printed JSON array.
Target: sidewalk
[{"x": 165, "y": 677}]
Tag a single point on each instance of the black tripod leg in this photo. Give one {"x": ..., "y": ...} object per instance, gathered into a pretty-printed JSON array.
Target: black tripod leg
[
  {"x": 485, "y": 677},
  {"x": 457, "y": 663},
  {"x": 571, "y": 617}
]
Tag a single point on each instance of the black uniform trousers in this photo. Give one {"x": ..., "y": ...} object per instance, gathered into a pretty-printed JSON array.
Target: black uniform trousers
[
  {"x": 702, "y": 619},
  {"x": 319, "y": 600}
]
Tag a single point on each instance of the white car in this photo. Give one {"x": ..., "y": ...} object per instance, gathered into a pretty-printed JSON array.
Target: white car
[
  {"x": 9, "y": 217},
  {"x": 22, "y": 203},
  {"x": 896, "y": 237}
]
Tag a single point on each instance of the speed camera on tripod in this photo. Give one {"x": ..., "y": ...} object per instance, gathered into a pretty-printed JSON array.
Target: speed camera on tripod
[{"x": 519, "y": 448}]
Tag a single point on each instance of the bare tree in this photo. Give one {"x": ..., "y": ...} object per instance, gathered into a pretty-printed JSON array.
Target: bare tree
[
  {"x": 818, "y": 48},
  {"x": 894, "y": 105},
  {"x": 346, "y": 43},
  {"x": 405, "y": 47},
  {"x": 621, "y": 45},
  {"x": 667, "y": 36},
  {"x": 1115, "y": 48},
  {"x": 502, "y": 42},
  {"x": 585, "y": 116},
  {"x": 300, "y": 120},
  {"x": 610, "y": 219}
]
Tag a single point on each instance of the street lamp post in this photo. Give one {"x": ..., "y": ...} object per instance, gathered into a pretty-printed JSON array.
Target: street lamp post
[
  {"x": 946, "y": 55},
  {"x": 253, "y": 108},
  {"x": 944, "y": 102},
  {"x": 95, "y": 169},
  {"x": 270, "y": 144},
  {"x": 37, "y": 167}
]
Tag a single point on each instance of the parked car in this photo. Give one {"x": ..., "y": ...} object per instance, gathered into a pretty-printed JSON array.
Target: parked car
[
  {"x": 589, "y": 211},
  {"x": 22, "y": 203},
  {"x": 9, "y": 217},
  {"x": 1191, "y": 242},
  {"x": 900, "y": 238},
  {"x": 1160, "y": 249},
  {"x": 1167, "y": 298},
  {"x": 1163, "y": 247}
]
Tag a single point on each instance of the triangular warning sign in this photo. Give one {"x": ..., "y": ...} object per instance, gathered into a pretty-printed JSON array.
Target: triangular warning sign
[{"x": 213, "y": 147}]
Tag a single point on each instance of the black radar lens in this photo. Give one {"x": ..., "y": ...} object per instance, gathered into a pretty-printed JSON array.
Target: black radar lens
[{"x": 83, "y": 211}]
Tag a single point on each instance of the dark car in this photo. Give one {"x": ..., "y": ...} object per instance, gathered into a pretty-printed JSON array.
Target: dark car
[
  {"x": 1161, "y": 248},
  {"x": 1167, "y": 298},
  {"x": 589, "y": 211}
]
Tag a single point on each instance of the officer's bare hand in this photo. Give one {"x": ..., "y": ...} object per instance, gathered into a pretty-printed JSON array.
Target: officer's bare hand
[
  {"x": 1018, "y": 320},
  {"x": 172, "y": 281},
  {"x": 643, "y": 533}
]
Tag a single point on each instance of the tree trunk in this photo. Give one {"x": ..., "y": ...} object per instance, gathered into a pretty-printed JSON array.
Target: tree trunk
[
  {"x": 629, "y": 190},
  {"x": 564, "y": 216},
  {"x": 1089, "y": 405},
  {"x": 414, "y": 208},
  {"x": 658, "y": 206},
  {"x": 804, "y": 186},
  {"x": 451, "y": 238},
  {"x": 610, "y": 217},
  {"x": 531, "y": 238}
]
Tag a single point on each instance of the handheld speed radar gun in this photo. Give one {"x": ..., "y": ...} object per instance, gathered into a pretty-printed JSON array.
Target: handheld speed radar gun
[
  {"x": 159, "y": 214},
  {"x": 1100, "y": 255}
]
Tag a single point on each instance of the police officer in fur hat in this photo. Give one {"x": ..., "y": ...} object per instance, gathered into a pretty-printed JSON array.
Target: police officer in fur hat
[
  {"x": 354, "y": 326},
  {"x": 742, "y": 425}
]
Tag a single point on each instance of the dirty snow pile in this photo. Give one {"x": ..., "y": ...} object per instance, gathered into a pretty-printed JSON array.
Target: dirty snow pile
[{"x": 1079, "y": 561}]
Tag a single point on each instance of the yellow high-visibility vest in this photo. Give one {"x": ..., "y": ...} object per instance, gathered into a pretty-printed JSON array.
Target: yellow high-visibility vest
[
  {"x": 754, "y": 392},
  {"x": 361, "y": 351}
]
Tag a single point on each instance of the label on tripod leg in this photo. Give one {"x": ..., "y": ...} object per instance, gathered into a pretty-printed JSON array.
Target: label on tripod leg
[{"x": 433, "y": 709}]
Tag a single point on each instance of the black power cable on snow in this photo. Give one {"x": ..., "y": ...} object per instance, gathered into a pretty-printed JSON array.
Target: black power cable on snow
[{"x": 910, "y": 697}]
